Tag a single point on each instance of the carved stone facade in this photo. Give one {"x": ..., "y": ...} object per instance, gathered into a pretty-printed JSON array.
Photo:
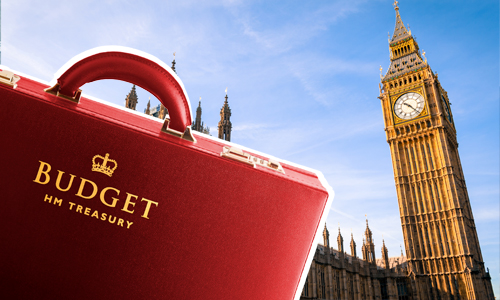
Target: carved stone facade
[
  {"x": 444, "y": 258},
  {"x": 334, "y": 274},
  {"x": 442, "y": 247}
]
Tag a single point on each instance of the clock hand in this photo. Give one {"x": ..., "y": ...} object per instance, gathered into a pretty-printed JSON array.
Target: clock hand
[{"x": 410, "y": 106}]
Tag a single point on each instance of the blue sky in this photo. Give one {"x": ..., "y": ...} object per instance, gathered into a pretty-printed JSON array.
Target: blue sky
[{"x": 302, "y": 80}]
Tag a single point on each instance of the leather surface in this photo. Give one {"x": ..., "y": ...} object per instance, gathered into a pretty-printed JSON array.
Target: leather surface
[
  {"x": 221, "y": 229},
  {"x": 134, "y": 69}
]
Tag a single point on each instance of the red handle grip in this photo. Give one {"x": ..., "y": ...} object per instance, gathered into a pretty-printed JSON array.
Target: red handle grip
[{"x": 136, "y": 69}]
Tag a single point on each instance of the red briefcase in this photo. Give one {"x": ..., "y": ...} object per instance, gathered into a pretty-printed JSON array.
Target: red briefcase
[{"x": 101, "y": 202}]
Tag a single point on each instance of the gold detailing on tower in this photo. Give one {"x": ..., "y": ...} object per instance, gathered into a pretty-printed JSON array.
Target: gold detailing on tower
[
  {"x": 394, "y": 97},
  {"x": 103, "y": 166}
]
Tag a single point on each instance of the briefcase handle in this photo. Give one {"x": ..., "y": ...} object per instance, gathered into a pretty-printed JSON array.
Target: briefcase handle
[{"x": 134, "y": 66}]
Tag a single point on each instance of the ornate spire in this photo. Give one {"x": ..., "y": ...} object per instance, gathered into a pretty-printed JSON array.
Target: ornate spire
[
  {"x": 369, "y": 247},
  {"x": 385, "y": 255},
  {"x": 404, "y": 52},
  {"x": 353, "y": 246},
  {"x": 400, "y": 32},
  {"x": 197, "y": 125},
  {"x": 147, "y": 111},
  {"x": 340, "y": 242},
  {"x": 326, "y": 237},
  {"x": 225, "y": 125},
  {"x": 131, "y": 99},
  {"x": 173, "y": 65},
  {"x": 368, "y": 232}
]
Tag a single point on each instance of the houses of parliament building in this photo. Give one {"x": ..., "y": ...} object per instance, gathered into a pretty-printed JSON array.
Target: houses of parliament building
[
  {"x": 224, "y": 127},
  {"x": 443, "y": 258}
]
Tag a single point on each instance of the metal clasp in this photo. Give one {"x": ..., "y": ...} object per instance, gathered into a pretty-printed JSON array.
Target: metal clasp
[
  {"x": 238, "y": 155},
  {"x": 55, "y": 91},
  {"x": 186, "y": 135},
  {"x": 9, "y": 78}
]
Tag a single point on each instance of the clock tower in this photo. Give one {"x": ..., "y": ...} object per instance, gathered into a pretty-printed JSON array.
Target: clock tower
[{"x": 441, "y": 242}]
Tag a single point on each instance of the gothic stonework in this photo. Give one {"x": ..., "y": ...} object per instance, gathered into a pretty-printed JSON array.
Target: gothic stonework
[
  {"x": 198, "y": 124},
  {"x": 443, "y": 253},
  {"x": 131, "y": 99},
  {"x": 225, "y": 125},
  {"x": 336, "y": 275}
]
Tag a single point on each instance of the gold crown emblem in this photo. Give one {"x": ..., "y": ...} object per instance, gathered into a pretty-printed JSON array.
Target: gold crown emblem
[{"x": 103, "y": 167}]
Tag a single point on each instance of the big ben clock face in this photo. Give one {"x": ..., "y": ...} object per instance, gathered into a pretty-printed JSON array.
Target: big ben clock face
[
  {"x": 409, "y": 105},
  {"x": 446, "y": 108}
]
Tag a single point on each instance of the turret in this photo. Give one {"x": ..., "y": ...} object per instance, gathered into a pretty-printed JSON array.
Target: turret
[
  {"x": 385, "y": 255},
  {"x": 225, "y": 125},
  {"x": 340, "y": 242},
  {"x": 369, "y": 247},
  {"x": 131, "y": 99},
  {"x": 147, "y": 111},
  {"x": 197, "y": 121},
  {"x": 353, "y": 246},
  {"x": 326, "y": 238}
]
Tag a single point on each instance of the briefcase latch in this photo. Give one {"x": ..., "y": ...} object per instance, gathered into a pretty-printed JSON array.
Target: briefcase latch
[
  {"x": 238, "y": 155},
  {"x": 186, "y": 135},
  {"x": 9, "y": 78},
  {"x": 55, "y": 91}
]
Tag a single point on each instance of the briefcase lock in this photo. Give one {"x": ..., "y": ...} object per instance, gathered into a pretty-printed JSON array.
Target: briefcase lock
[
  {"x": 9, "y": 78},
  {"x": 238, "y": 155}
]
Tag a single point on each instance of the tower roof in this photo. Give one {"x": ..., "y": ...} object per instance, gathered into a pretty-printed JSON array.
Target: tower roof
[
  {"x": 132, "y": 94},
  {"x": 410, "y": 60},
  {"x": 403, "y": 65},
  {"x": 368, "y": 232},
  {"x": 400, "y": 32},
  {"x": 225, "y": 106}
]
